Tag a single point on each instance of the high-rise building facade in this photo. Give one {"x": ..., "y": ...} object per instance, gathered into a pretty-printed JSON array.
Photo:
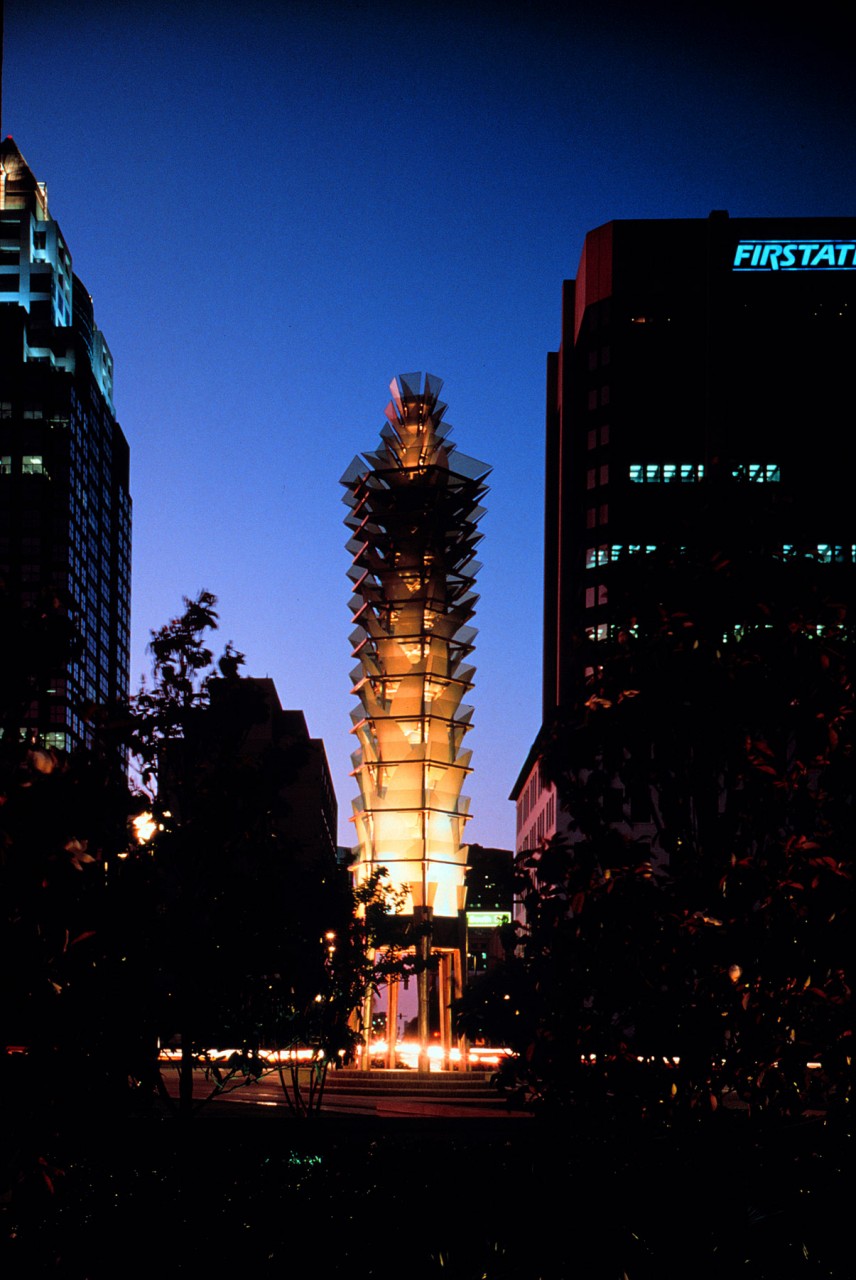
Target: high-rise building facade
[
  {"x": 65, "y": 509},
  {"x": 698, "y": 405}
]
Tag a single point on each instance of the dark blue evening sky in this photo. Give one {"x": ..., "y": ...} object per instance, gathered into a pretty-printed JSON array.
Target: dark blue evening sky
[{"x": 277, "y": 208}]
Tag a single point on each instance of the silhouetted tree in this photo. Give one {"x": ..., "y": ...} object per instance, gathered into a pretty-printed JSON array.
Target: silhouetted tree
[
  {"x": 258, "y": 946},
  {"x": 701, "y": 908},
  {"x": 67, "y": 1021}
]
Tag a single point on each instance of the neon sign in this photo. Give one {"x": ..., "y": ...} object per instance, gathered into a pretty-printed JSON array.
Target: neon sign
[
  {"x": 487, "y": 919},
  {"x": 795, "y": 255}
]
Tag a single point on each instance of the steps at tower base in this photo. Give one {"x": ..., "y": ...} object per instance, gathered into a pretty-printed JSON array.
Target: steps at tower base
[{"x": 437, "y": 1086}]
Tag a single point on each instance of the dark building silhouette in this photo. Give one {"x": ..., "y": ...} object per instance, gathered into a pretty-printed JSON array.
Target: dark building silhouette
[
  {"x": 304, "y": 809},
  {"x": 65, "y": 510},
  {"x": 490, "y": 904},
  {"x": 697, "y": 407},
  {"x": 310, "y": 812}
]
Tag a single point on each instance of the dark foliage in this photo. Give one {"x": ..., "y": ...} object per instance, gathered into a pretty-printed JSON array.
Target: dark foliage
[
  {"x": 256, "y": 946},
  {"x": 66, "y": 1003},
  {"x": 541, "y": 1204},
  {"x": 701, "y": 906}
]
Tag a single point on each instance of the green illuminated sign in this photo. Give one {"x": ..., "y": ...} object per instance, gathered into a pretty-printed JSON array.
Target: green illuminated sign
[{"x": 487, "y": 919}]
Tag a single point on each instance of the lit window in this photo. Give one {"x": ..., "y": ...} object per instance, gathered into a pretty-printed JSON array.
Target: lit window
[
  {"x": 829, "y": 554},
  {"x": 603, "y": 514},
  {"x": 589, "y": 597},
  {"x": 657, "y": 473},
  {"x": 757, "y": 472},
  {"x": 604, "y": 473},
  {"x": 32, "y": 464},
  {"x": 591, "y": 557},
  {"x": 691, "y": 471},
  {"x": 5, "y": 465}
]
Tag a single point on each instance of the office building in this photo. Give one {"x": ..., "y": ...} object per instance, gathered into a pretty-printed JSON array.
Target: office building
[
  {"x": 697, "y": 407},
  {"x": 65, "y": 510},
  {"x": 305, "y": 813},
  {"x": 490, "y": 906}
]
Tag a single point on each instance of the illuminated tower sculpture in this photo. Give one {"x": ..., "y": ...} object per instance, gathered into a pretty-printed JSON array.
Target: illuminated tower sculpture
[{"x": 414, "y": 510}]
